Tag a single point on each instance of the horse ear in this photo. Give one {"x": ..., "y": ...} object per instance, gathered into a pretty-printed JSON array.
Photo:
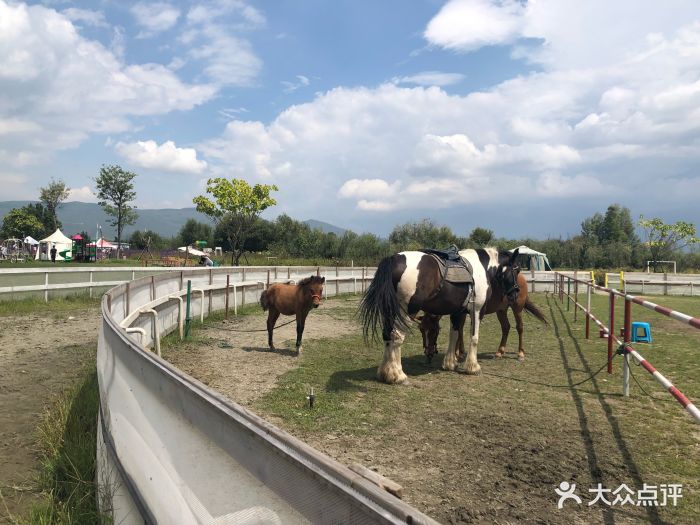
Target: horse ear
[
  {"x": 323, "y": 279},
  {"x": 514, "y": 256}
]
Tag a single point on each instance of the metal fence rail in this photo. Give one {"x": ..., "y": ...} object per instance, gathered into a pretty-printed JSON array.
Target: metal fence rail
[{"x": 174, "y": 451}]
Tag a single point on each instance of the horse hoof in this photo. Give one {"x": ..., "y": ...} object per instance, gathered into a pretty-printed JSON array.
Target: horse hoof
[
  {"x": 299, "y": 349},
  {"x": 499, "y": 355},
  {"x": 521, "y": 357},
  {"x": 472, "y": 370}
]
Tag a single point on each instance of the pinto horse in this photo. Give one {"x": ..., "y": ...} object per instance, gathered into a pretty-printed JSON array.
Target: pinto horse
[
  {"x": 291, "y": 299},
  {"x": 498, "y": 303},
  {"x": 408, "y": 282}
]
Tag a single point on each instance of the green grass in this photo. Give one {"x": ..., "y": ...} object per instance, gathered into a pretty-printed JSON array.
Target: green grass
[
  {"x": 58, "y": 305},
  {"x": 67, "y": 439},
  {"x": 644, "y": 438}
]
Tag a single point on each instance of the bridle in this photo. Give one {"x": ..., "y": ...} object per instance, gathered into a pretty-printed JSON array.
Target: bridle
[{"x": 515, "y": 288}]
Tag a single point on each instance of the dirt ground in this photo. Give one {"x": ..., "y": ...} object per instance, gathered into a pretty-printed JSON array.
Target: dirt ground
[
  {"x": 499, "y": 465},
  {"x": 40, "y": 355}
]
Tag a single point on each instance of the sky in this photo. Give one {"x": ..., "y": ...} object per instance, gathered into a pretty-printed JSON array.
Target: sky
[{"x": 523, "y": 117}]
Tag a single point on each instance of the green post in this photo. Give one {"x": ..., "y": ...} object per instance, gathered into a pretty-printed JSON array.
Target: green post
[{"x": 187, "y": 309}]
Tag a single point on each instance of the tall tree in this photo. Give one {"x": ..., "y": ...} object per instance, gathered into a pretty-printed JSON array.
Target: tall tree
[
  {"x": 52, "y": 196},
  {"x": 115, "y": 191},
  {"x": 665, "y": 239},
  {"x": 481, "y": 236},
  {"x": 193, "y": 230},
  {"x": 241, "y": 203},
  {"x": 421, "y": 234},
  {"x": 19, "y": 223}
]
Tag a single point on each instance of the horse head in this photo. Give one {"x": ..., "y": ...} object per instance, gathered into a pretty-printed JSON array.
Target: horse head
[
  {"x": 313, "y": 289},
  {"x": 507, "y": 274}
]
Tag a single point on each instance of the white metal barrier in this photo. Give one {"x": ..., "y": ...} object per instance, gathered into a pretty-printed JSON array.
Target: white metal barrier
[{"x": 171, "y": 450}]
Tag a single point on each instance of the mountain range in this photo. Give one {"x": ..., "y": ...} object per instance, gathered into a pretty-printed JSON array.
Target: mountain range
[{"x": 167, "y": 222}]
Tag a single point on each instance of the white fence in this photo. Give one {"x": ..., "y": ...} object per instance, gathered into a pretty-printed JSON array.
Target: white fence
[
  {"x": 47, "y": 282},
  {"x": 654, "y": 283},
  {"x": 171, "y": 450}
]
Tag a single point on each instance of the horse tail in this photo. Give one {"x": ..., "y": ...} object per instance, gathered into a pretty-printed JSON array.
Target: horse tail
[
  {"x": 264, "y": 301},
  {"x": 380, "y": 303},
  {"x": 531, "y": 308}
]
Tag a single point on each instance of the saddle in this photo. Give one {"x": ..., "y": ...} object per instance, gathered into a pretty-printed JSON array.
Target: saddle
[{"x": 454, "y": 268}]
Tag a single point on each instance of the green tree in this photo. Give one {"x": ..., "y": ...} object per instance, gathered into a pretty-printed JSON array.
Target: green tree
[
  {"x": 241, "y": 202},
  {"x": 193, "y": 230},
  {"x": 115, "y": 191},
  {"x": 52, "y": 196},
  {"x": 481, "y": 236},
  {"x": 140, "y": 240},
  {"x": 664, "y": 240},
  {"x": 422, "y": 234},
  {"x": 19, "y": 223}
]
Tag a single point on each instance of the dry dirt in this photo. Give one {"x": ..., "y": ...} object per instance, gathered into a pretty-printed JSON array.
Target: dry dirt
[{"x": 40, "y": 356}]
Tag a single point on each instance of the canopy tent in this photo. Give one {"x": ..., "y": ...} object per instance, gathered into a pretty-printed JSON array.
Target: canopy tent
[
  {"x": 63, "y": 245},
  {"x": 30, "y": 240},
  {"x": 530, "y": 259},
  {"x": 191, "y": 251},
  {"x": 102, "y": 243}
]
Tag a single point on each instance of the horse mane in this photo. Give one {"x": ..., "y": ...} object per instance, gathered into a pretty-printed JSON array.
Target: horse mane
[{"x": 311, "y": 280}]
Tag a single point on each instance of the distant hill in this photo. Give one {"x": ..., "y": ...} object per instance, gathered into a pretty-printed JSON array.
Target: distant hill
[
  {"x": 79, "y": 216},
  {"x": 325, "y": 227}
]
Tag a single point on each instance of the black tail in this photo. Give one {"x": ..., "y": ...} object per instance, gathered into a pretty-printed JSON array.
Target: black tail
[
  {"x": 264, "y": 301},
  {"x": 380, "y": 303},
  {"x": 531, "y": 308}
]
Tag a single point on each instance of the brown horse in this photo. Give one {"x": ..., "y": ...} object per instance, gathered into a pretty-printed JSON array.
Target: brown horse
[
  {"x": 499, "y": 303},
  {"x": 291, "y": 299}
]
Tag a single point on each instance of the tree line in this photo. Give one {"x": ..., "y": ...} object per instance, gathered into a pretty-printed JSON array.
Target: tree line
[{"x": 607, "y": 239}]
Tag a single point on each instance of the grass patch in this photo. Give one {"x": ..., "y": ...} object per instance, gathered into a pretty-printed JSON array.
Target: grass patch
[
  {"x": 587, "y": 431},
  {"x": 69, "y": 303},
  {"x": 67, "y": 439}
]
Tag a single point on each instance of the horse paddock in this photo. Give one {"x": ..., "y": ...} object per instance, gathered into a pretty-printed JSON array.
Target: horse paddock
[{"x": 467, "y": 449}]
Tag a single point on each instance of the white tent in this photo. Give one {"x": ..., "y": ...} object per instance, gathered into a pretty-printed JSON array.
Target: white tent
[
  {"x": 530, "y": 259},
  {"x": 102, "y": 243},
  {"x": 62, "y": 243},
  {"x": 30, "y": 240}
]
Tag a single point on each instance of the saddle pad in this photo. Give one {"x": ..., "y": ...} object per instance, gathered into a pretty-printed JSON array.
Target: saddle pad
[
  {"x": 455, "y": 271},
  {"x": 458, "y": 274}
]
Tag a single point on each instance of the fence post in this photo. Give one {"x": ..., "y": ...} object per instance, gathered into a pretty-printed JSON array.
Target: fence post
[
  {"x": 589, "y": 289},
  {"x": 625, "y": 356},
  {"x": 228, "y": 283},
  {"x": 575, "y": 295},
  {"x": 90, "y": 287},
  {"x": 363, "y": 279},
  {"x": 211, "y": 292},
  {"x": 611, "y": 333},
  {"x": 623, "y": 284},
  {"x": 665, "y": 283},
  {"x": 532, "y": 280},
  {"x": 337, "y": 289},
  {"x": 46, "y": 285},
  {"x": 568, "y": 293}
]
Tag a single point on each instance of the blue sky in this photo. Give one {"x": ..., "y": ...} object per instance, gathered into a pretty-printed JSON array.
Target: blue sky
[{"x": 521, "y": 117}]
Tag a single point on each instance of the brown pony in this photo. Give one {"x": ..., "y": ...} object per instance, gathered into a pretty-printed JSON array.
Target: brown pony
[
  {"x": 499, "y": 303},
  {"x": 291, "y": 299}
]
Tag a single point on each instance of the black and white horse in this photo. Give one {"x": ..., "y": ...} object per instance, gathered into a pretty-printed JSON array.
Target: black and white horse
[{"x": 409, "y": 282}]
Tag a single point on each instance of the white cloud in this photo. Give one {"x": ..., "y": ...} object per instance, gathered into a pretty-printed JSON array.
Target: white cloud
[
  {"x": 293, "y": 86},
  {"x": 155, "y": 17},
  {"x": 66, "y": 87},
  {"x": 87, "y": 16},
  {"x": 165, "y": 157},
  {"x": 430, "y": 78},
  {"x": 465, "y": 25},
  {"x": 562, "y": 133},
  {"x": 82, "y": 194}
]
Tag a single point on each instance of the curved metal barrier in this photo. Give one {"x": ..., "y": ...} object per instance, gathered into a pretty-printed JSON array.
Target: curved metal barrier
[{"x": 171, "y": 450}]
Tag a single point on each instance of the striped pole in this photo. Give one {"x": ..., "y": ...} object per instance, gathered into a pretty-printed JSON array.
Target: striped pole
[
  {"x": 673, "y": 314},
  {"x": 684, "y": 401}
]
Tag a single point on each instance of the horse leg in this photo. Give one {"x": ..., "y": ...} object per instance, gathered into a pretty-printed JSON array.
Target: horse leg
[
  {"x": 461, "y": 353},
  {"x": 301, "y": 321},
  {"x": 272, "y": 317},
  {"x": 472, "y": 366},
  {"x": 519, "y": 327},
  {"x": 390, "y": 370},
  {"x": 505, "y": 328},
  {"x": 450, "y": 360}
]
